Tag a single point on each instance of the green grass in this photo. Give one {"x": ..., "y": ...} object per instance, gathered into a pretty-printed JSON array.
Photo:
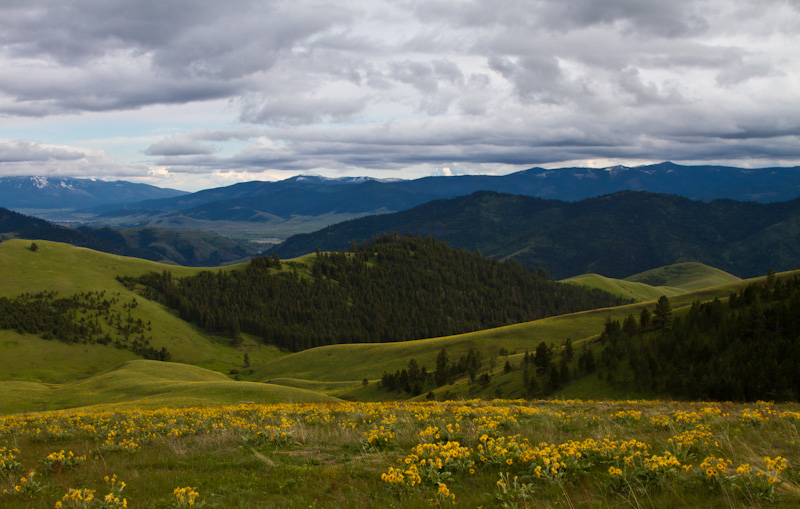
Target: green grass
[
  {"x": 353, "y": 362},
  {"x": 70, "y": 270},
  {"x": 323, "y": 457},
  {"x": 336, "y": 370},
  {"x": 327, "y": 462},
  {"x": 670, "y": 280},
  {"x": 686, "y": 276},
  {"x": 147, "y": 384},
  {"x": 639, "y": 292},
  {"x": 31, "y": 358}
]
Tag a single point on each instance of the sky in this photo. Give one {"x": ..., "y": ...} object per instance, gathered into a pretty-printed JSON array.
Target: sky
[{"x": 194, "y": 94}]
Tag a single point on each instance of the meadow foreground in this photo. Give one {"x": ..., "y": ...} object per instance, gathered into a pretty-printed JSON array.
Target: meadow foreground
[{"x": 499, "y": 453}]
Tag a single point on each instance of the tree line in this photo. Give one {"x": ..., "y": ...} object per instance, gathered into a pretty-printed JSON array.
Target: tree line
[
  {"x": 393, "y": 288},
  {"x": 745, "y": 349}
]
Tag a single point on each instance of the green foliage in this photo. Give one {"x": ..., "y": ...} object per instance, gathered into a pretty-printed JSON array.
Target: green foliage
[
  {"x": 86, "y": 318},
  {"x": 393, "y": 289},
  {"x": 744, "y": 350},
  {"x": 72, "y": 272},
  {"x": 662, "y": 314},
  {"x": 183, "y": 246},
  {"x": 612, "y": 235},
  {"x": 442, "y": 373},
  {"x": 411, "y": 455}
]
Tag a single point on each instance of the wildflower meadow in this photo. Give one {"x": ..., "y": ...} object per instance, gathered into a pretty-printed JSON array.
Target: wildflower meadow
[{"x": 476, "y": 453}]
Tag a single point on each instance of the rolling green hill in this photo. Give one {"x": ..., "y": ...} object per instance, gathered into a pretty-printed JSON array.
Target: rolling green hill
[
  {"x": 640, "y": 292},
  {"x": 685, "y": 276},
  {"x": 650, "y": 285},
  {"x": 39, "y": 373},
  {"x": 354, "y": 362},
  {"x": 70, "y": 270},
  {"x": 147, "y": 384},
  {"x": 395, "y": 288},
  {"x": 339, "y": 365}
]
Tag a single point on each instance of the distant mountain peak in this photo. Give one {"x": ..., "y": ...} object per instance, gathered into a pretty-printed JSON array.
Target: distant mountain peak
[
  {"x": 41, "y": 192},
  {"x": 615, "y": 170}
]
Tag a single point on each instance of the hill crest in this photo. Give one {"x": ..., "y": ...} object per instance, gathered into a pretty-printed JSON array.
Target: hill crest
[{"x": 613, "y": 235}]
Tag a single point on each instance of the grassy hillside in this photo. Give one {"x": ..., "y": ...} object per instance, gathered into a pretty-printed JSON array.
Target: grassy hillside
[
  {"x": 186, "y": 247},
  {"x": 354, "y": 362},
  {"x": 70, "y": 270},
  {"x": 669, "y": 280},
  {"x": 147, "y": 384},
  {"x": 639, "y": 292},
  {"x": 395, "y": 288},
  {"x": 686, "y": 276},
  {"x": 336, "y": 370},
  {"x": 183, "y": 246}
]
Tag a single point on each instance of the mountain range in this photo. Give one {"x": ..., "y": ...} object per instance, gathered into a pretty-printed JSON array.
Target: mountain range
[
  {"x": 614, "y": 235},
  {"x": 184, "y": 247},
  {"x": 555, "y": 220},
  {"x": 314, "y": 195},
  {"x": 301, "y": 204},
  {"x": 72, "y": 193}
]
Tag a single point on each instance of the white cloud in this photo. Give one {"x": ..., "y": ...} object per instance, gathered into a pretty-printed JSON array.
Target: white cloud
[
  {"x": 381, "y": 86},
  {"x": 20, "y": 157}
]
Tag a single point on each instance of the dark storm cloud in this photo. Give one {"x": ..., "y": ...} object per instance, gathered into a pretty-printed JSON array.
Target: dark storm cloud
[{"x": 77, "y": 56}]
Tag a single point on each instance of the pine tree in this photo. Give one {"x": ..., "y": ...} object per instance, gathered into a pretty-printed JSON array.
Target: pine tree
[
  {"x": 442, "y": 373},
  {"x": 542, "y": 357},
  {"x": 662, "y": 314}
]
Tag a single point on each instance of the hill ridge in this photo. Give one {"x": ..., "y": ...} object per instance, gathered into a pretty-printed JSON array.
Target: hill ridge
[{"x": 614, "y": 235}]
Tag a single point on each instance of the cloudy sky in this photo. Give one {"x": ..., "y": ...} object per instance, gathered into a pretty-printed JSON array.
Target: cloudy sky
[{"x": 194, "y": 94}]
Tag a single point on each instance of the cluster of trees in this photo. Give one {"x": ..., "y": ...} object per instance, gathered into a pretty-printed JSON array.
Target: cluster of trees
[
  {"x": 546, "y": 369},
  {"x": 414, "y": 379},
  {"x": 743, "y": 350},
  {"x": 87, "y": 318},
  {"x": 394, "y": 288}
]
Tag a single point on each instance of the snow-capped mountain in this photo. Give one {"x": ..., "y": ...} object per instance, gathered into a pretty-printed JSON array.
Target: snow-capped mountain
[{"x": 70, "y": 193}]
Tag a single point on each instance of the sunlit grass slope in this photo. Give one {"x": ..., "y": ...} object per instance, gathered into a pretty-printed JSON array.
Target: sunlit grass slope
[
  {"x": 70, "y": 270},
  {"x": 669, "y": 280},
  {"x": 354, "y": 362},
  {"x": 686, "y": 276},
  {"x": 147, "y": 384},
  {"x": 639, "y": 292}
]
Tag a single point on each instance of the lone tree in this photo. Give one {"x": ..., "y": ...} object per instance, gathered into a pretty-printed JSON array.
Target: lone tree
[
  {"x": 34, "y": 247},
  {"x": 644, "y": 318},
  {"x": 542, "y": 357},
  {"x": 662, "y": 314},
  {"x": 442, "y": 373}
]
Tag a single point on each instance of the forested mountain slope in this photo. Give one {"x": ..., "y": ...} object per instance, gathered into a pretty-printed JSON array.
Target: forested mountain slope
[
  {"x": 613, "y": 235},
  {"x": 396, "y": 288},
  {"x": 184, "y": 247}
]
